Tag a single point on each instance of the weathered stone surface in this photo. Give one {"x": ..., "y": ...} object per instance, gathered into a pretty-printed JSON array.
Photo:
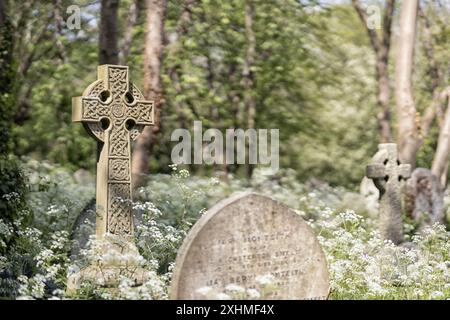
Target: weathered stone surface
[
  {"x": 114, "y": 258},
  {"x": 371, "y": 194},
  {"x": 247, "y": 236},
  {"x": 387, "y": 174},
  {"x": 83, "y": 228},
  {"x": 83, "y": 176},
  {"x": 424, "y": 198},
  {"x": 114, "y": 112},
  {"x": 354, "y": 201}
]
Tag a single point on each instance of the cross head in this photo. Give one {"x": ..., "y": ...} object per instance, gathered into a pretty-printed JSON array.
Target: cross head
[
  {"x": 114, "y": 112},
  {"x": 386, "y": 168}
]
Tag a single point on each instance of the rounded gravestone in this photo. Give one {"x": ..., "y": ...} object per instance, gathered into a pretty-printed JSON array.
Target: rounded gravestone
[{"x": 244, "y": 238}]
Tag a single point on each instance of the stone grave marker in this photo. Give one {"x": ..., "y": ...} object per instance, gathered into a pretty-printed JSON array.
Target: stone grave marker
[
  {"x": 114, "y": 112},
  {"x": 387, "y": 174},
  {"x": 83, "y": 228},
  {"x": 245, "y": 237},
  {"x": 424, "y": 199}
]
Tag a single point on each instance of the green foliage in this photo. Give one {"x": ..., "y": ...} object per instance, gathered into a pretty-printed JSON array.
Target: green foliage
[
  {"x": 12, "y": 189},
  {"x": 313, "y": 81},
  {"x": 361, "y": 265},
  {"x": 48, "y": 84},
  {"x": 14, "y": 215},
  {"x": 7, "y": 82},
  {"x": 431, "y": 72},
  {"x": 34, "y": 234}
]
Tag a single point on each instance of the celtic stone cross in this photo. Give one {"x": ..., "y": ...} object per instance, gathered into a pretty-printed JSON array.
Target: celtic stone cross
[
  {"x": 114, "y": 112},
  {"x": 387, "y": 173}
]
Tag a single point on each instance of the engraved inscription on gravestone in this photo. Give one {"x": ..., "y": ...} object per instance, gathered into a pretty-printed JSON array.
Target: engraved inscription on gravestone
[{"x": 247, "y": 236}]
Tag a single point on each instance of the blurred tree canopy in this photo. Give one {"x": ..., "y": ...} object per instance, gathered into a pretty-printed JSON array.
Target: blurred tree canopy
[{"x": 313, "y": 78}]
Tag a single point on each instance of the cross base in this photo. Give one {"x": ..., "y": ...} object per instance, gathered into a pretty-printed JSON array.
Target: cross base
[
  {"x": 111, "y": 261},
  {"x": 106, "y": 277}
]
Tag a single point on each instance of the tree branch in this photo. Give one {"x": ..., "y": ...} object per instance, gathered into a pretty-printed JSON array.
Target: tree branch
[
  {"x": 133, "y": 15},
  {"x": 387, "y": 23},
  {"x": 373, "y": 36}
]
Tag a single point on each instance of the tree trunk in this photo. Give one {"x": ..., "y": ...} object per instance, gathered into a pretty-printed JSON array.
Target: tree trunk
[
  {"x": 3, "y": 16},
  {"x": 381, "y": 47},
  {"x": 384, "y": 114},
  {"x": 174, "y": 72},
  {"x": 249, "y": 77},
  {"x": 7, "y": 78},
  {"x": 440, "y": 161},
  {"x": 58, "y": 32},
  {"x": 408, "y": 137},
  {"x": 108, "y": 41},
  {"x": 444, "y": 175},
  {"x": 382, "y": 54},
  {"x": 179, "y": 108},
  {"x": 30, "y": 45},
  {"x": 154, "y": 43},
  {"x": 133, "y": 15}
]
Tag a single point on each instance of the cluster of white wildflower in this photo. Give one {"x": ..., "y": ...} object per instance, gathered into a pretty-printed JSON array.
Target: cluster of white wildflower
[
  {"x": 156, "y": 240},
  {"x": 110, "y": 251},
  {"x": 51, "y": 262},
  {"x": 152, "y": 289},
  {"x": 148, "y": 207},
  {"x": 265, "y": 279},
  {"x": 6, "y": 232},
  {"x": 11, "y": 197},
  {"x": 262, "y": 288},
  {"x": 363, "y": 266},
  {"x": 112, "y": 259},
  {"x": 32, "y": 288},
  {"x": 57, "y": 210}
]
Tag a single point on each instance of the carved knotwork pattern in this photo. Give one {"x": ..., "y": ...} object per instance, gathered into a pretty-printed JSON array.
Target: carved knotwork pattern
[
  {"x": 118, "y": 81},
  {"x": 119, "y": 169},
  {"x": 136, "y": 93},
  {"x": 94, "y": 111},
  {"x": 96, "y": 89},
  {"x": 119, "y": 220},
  {"x": 117, "y": 110},
  {"x": 119, "y": 143},
  {"x": 93, "y": 91},
  {"x": 90, "y": 110},
  {"x": 134, "y": 111},
  {"x": 145, "y": 112}
]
